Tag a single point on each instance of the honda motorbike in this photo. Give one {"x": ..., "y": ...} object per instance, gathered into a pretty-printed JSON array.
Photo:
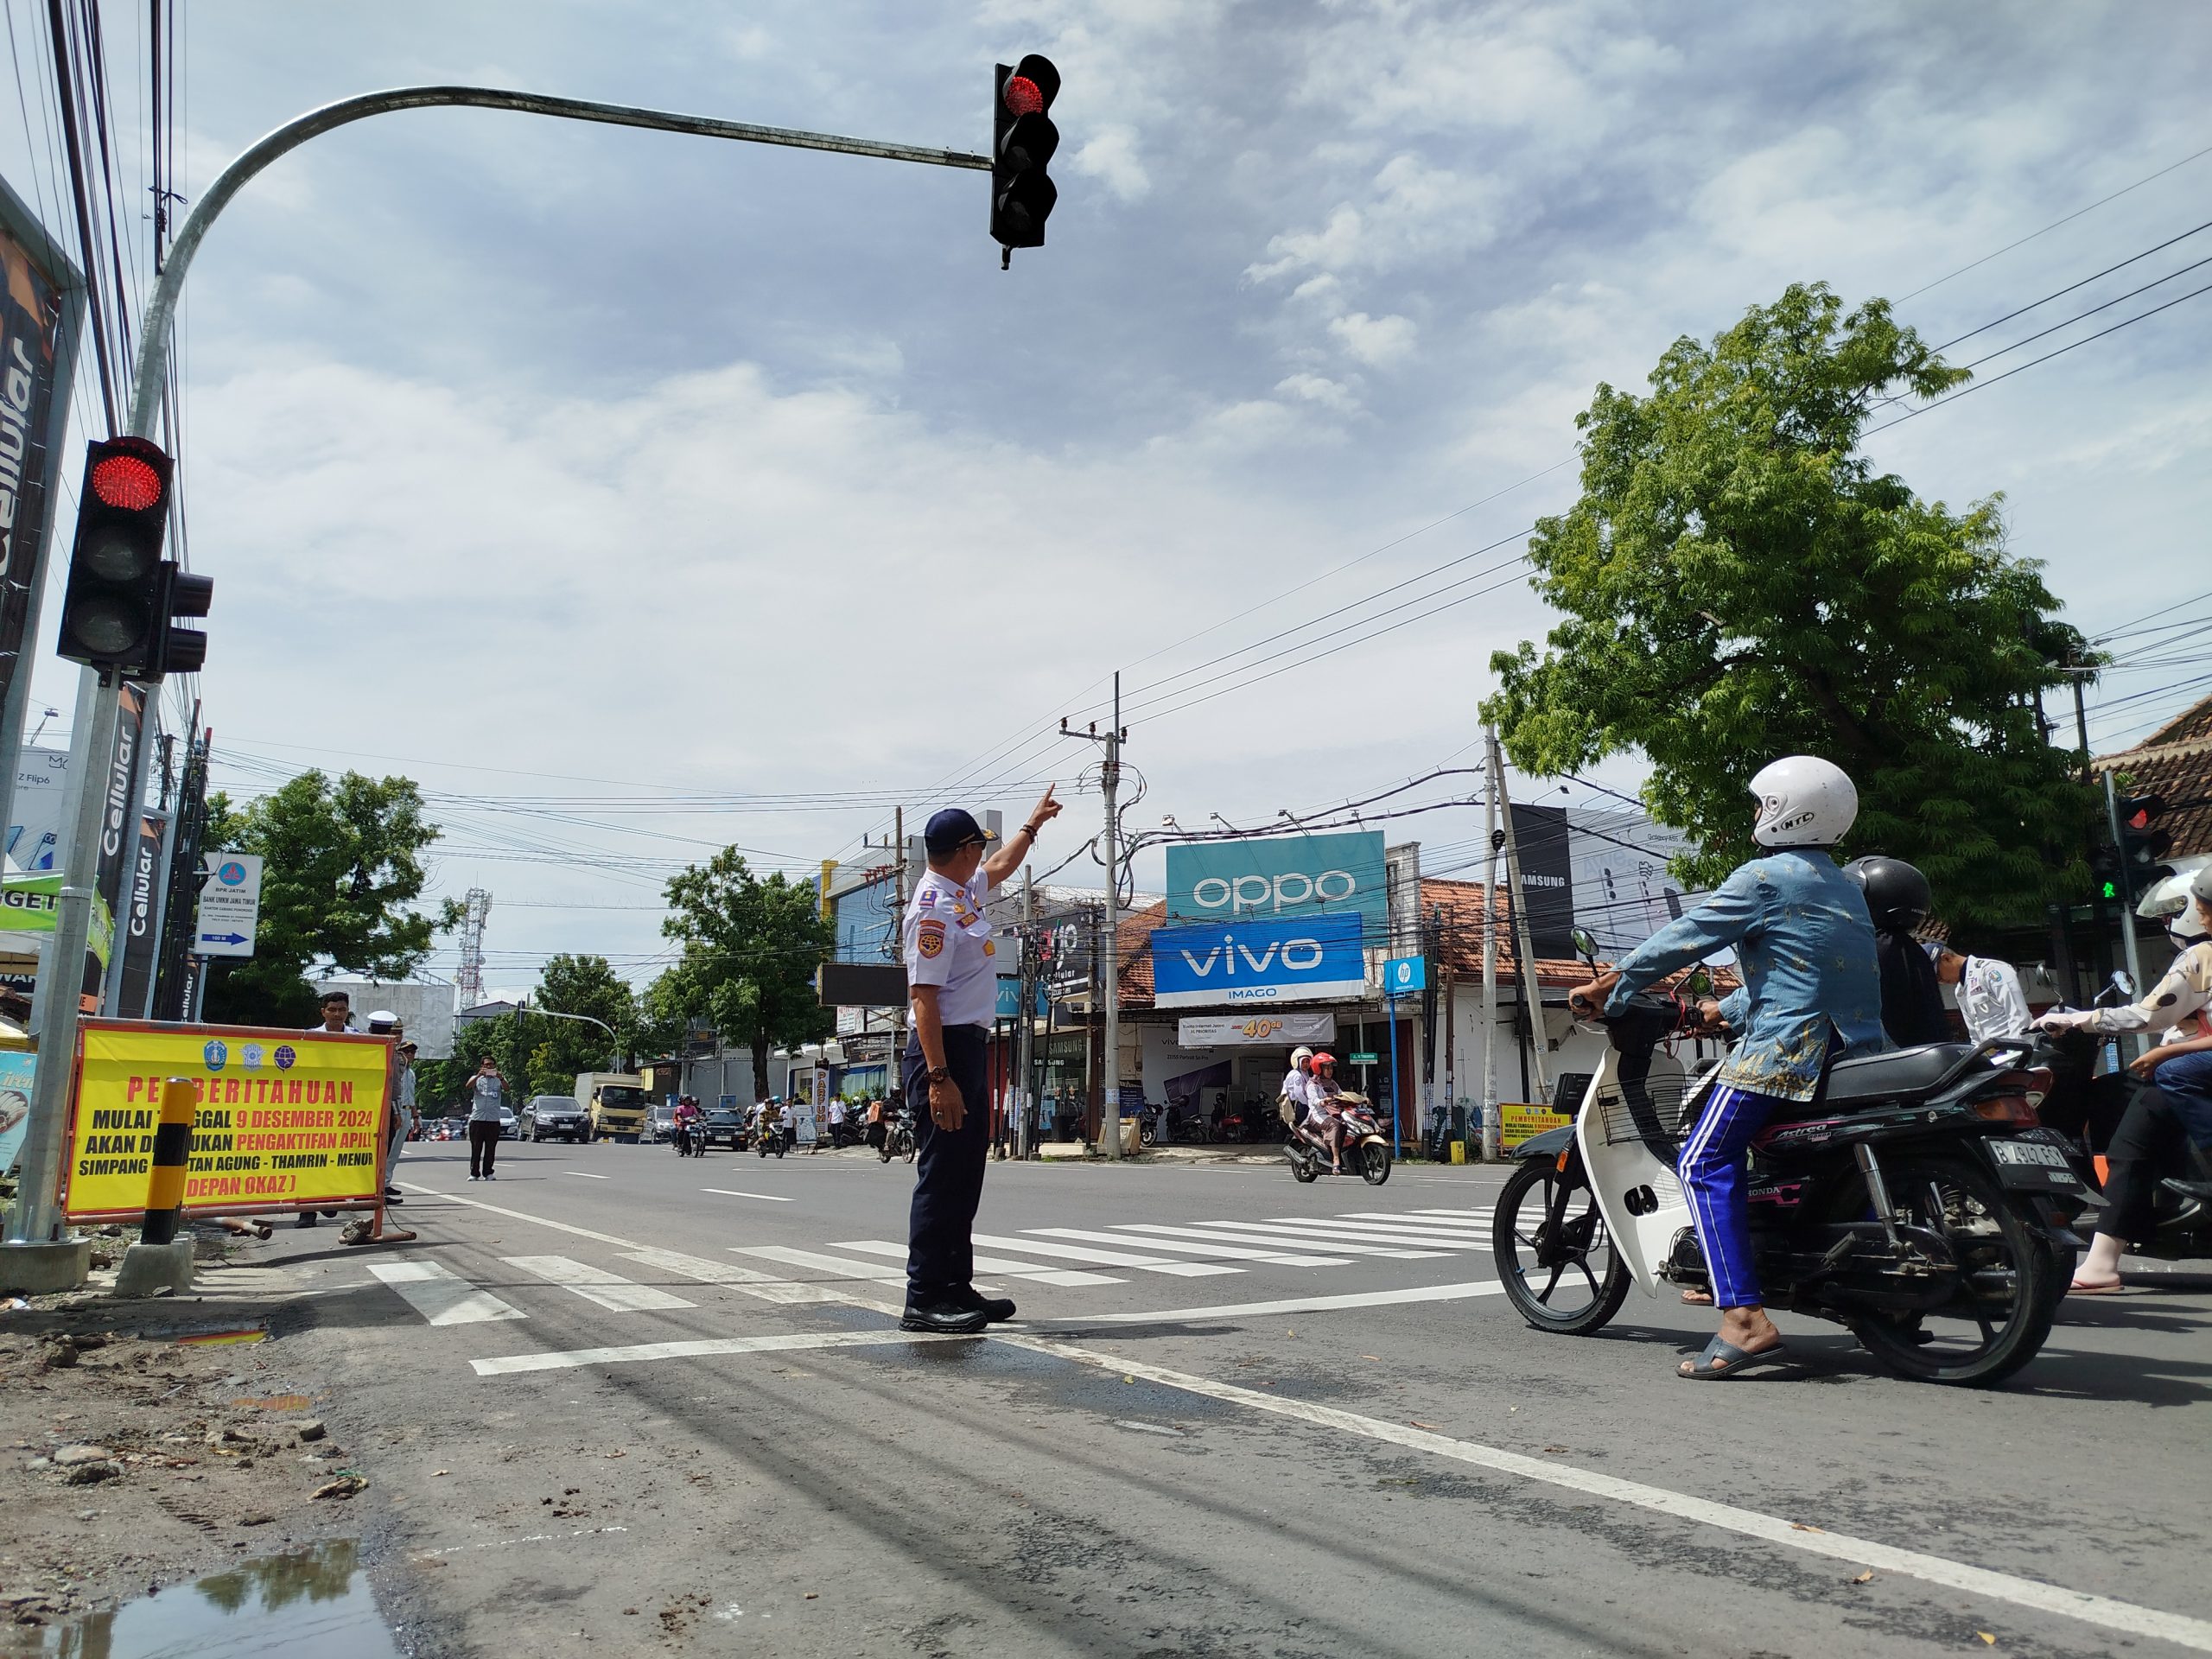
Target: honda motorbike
[
  {"x": 1917, "y": 1202},
  {"x": 1366, "y": 1148},
  {"x": 2086, "y": 1108},
  {"x": 685, "y": 1138},
  {"x": 771, "y": 1138},
  {"x": 898, "y": 1139}
]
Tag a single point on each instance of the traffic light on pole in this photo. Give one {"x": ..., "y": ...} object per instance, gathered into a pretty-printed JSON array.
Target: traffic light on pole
[
  {"x": 2142, "y": 844},
  {"x": 182, "y": 650},
  {"x": 112, "y": 613},
  {"x": 1023, "y": 139}
]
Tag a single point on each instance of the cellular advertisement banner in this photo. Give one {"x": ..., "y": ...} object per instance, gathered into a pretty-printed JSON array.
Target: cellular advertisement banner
[
  {"x": 136, "y": 925},
  {"x": 286, "y": 1120},
  {"x": 1314, "y": 958},
  {"x": 119, "y": 780},
  {"x": 1276, "y": 877},
  {"x": 32, "y": 352}
]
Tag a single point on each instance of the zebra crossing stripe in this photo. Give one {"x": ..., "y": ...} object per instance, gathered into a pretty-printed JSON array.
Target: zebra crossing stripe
[
  {"x": 440, "y": 1295},
  {"x": 1420, "y": 1224},
  {"x": 1418, "y": 1237},
  {"x": 603, "y": 1286},
  {"x": 1259, "y": 1233},
  {"x": 839, "y": 1266},
  {"x": 1223, "y": 1252},
  {"x": 699, "y": 1266},
  {"x": 1106, "y": 1258},
  {"x": 989, "y": 1264}
]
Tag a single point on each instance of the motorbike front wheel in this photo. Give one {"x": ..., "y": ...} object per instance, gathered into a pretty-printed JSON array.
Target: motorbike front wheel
[
  {"x": 2000, "y": 1310},
  {"x": 1375, "y": 1163},
  {"x": 1554, "y": 1253}
]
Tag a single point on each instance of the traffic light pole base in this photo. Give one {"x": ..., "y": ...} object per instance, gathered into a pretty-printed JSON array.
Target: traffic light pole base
[
  {"x": 148, "y": 1268},
  {"x": 33, "y": 1269}
]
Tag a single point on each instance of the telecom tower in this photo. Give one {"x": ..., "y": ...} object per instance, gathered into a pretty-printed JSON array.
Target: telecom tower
[{"x": 468, "y": 983}]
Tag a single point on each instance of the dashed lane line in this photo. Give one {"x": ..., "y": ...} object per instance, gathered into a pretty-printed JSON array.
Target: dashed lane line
[
  {"x": 765, "y": 1198},
  {"x": 1295, "y": 1305}
]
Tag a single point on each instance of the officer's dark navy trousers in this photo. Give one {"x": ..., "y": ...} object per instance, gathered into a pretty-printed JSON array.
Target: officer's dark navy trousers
[{"x": 948, "y": 1168}]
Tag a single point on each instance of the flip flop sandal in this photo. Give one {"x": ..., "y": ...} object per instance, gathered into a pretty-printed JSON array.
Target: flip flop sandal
[
  {"x": 2077, "y": 1289},
  {"x": 1697, "y": 1299},
  {"x": 1733, "y": 1361}
]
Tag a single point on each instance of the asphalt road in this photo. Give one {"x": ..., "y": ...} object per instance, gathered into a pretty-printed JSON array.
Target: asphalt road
[{"x": 617, "y": 1393}]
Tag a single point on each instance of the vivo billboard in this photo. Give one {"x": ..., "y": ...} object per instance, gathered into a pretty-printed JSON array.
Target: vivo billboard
[
  {"x": 1312, "y": 958},
  {"x": 1278, "y": 877}
]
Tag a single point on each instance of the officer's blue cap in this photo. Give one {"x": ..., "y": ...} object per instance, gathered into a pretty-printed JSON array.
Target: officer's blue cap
[{"x": 953, "y": 828}]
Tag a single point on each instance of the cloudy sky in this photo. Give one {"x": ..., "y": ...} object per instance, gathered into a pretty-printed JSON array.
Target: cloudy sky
[{"x": 639, "y": 493}]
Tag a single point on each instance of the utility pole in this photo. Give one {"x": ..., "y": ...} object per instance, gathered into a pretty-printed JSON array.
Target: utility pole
[
  {"x": 1025, "y": 1134},
  {"x": 1110, "y": 1119},
  {"x": 1492, "y": 841},
  {"x": 1524, "y": 945},
  {"x": 34, "y": 1224},
  {"x": 2129, "y": 1045},
  {"x": 896, "y": 1070}
]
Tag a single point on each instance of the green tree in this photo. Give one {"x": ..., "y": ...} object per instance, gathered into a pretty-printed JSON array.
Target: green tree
[
  {"x": 585, "y": 985},
  {"x": 750, "y": 950},
  {"x": 342, "y": 875},
  {"x": 1738, "y": 583}
]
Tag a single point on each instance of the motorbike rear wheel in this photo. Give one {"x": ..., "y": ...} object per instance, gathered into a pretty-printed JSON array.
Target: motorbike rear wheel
[
  {"x": 1571, "y": 1280},
  {"x": 2001, "y": 1310},
  {"x": 1375, "y": 1164},
  {"x": 1303, "y": 1167}
]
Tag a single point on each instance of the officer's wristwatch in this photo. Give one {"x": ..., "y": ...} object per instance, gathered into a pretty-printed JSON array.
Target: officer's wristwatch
[{"x": 939, "y": 1074}]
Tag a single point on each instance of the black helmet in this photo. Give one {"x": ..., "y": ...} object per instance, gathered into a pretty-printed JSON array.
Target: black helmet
[{"x": 1898, "y": 895}]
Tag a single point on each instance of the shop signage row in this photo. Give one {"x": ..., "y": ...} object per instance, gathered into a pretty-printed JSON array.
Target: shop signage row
[
  {"x": 1277, "y": 877},
  {"x": 1314, "y": 958},
  {"x": 1282, "y": 1030}
]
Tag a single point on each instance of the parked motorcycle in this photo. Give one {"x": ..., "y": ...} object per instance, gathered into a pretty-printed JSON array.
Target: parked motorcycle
[
  {"x": 1918, "y": 1202},
  {"x": 1366, "y": 1149}
]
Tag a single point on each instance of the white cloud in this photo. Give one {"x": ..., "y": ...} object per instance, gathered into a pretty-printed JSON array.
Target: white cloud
[
  {"x": 1318, "y": 389},
  {"x": 1111, "y": 157},
  {"x": 1376, "y": 341}
]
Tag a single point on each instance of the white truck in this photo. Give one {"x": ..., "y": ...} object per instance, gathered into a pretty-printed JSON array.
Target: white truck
[{"x": 615, "y": 1102}]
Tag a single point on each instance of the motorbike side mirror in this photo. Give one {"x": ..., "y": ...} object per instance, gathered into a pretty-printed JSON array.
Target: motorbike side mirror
[
  {"x": 1585, "y": 946},
  {"x": 2043, "y": 976},
  {"x": 2124, "y": 983},
  {"x": 1699, "y": 985}
]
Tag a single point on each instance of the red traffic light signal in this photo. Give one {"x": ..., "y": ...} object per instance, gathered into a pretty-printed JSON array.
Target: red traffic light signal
[
  {"x": 111, "y": 612},
  {"x": 1023, "y": 140}
]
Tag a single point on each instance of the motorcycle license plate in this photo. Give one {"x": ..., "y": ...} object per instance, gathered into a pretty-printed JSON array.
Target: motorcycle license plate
[{"x": 2034, "y": 1164}]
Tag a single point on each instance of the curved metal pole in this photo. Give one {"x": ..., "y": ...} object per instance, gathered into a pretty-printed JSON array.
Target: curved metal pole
[{"x": 161, "y": 308}]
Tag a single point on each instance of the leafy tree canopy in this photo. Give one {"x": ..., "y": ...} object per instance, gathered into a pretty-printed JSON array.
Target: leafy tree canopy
[
  {"x": 1738, "y": 583},
  {"x": 750, "y": 950},
  {"x": 343, "y": 872}
]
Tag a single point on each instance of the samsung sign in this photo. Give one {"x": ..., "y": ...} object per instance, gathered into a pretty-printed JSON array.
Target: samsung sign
[
  {"x": 1278, "y": 877},
  {"x": 1312, "y": 958}
]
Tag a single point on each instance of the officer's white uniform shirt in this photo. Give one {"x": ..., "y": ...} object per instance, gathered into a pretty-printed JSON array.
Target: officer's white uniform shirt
[
  {"x": 1295, "y": 1085},
  {"x": 948, "y": 944}
]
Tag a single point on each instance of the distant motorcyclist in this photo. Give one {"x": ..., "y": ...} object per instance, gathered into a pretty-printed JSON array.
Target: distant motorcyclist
[
  {"x": 2149, "y": 1142},
  {"x": 1324, "y": 1116},
  {"x": 1291, "y": 1100},
  {"x": 687, "y": 1126},
  {"x": 1898, "y": 899},
  {"x": 1805, "y": 945}
]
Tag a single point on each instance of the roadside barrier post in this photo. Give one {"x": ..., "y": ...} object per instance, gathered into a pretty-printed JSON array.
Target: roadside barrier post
[{"x": 160, "y": 1260}]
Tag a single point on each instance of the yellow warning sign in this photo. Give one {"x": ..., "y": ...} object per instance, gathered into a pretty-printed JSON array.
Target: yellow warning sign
[
  {"x": 285, "y": 1119},
  {"x": 1516, "y": 1123}
]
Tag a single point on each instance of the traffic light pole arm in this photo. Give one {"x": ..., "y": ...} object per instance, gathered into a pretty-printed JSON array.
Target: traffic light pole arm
[
  {"x": 615, "y": 1053},
  {"x": 161, "y": 309}
]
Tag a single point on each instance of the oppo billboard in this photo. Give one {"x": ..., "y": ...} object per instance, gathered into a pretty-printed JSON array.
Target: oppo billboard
[{"x": 1278, "y": 878}]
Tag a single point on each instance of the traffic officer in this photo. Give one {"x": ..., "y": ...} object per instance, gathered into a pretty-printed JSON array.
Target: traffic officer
[{"x": 952, "y": 988}]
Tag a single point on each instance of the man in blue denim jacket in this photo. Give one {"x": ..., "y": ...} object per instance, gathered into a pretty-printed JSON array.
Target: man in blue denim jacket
[{"x": 1805, "y": 945}]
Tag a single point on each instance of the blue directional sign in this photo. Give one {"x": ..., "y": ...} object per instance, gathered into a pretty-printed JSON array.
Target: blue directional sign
[{"x": 1404, "y": 975}]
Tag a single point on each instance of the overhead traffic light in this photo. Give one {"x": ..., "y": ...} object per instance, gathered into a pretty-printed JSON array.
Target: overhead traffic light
[
  {"x": 1023, "y": 139},
  {"x": 2142, "y": 844},
  {"x": 118, "y": 610}
]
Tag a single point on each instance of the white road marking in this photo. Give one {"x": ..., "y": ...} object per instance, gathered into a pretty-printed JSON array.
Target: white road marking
[
  {"x": 609, "y": 1289},
  {"x": 1106, "y": 1258},
  {"x": 1297, "y": 1304},
  {"x": 440, "y": 1295},
  {"x": 1223, "y": 1252},
  {"x": 1422, "y": 1220},
  {"x": 2127, "y": 1618},
  {"x": 998, "y": 1264},
  {"x": 700, "y": 1267},
  {"x": 700, "y": 1348},
  {"x": 839, "y": 1266},
  {"x": 1412, "y": 1237},
  {"x": 765, "y": 1198},
  {"x": 2103, "y": 1611},
  {"x": 585, "y": 1175},
  {"x": 1260, "y": 1233},
  {"x": 1423, "y": 1227}
]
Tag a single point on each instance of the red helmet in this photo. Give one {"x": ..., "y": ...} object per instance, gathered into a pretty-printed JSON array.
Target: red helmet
[{"x": 1321, "y": 1059}]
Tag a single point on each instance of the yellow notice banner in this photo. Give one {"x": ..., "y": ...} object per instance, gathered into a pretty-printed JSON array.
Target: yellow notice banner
[
  {"x": 1516, "y": 1123},
  {"x": 286, "y": 1120}
]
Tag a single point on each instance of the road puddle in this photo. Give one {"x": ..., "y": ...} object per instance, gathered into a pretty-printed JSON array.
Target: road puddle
[{"x": 315, "y": 1600}]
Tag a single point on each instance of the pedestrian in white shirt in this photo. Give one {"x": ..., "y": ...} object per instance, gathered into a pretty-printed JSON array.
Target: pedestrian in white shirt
[
  {"x": 1990, "y": 1001},
  {"x": 1296, "y": 1093}
]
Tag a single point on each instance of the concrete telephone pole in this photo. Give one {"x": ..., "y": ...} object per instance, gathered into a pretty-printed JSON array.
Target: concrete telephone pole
[
  {"x": 1523, "y": 940},
  {"x": 1110, "y": 1119},
  {"x": 1490, "y": 842}
]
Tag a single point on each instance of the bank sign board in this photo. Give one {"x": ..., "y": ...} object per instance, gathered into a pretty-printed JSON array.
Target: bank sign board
[
  {"x": 1277, "y": 877},
  {"x": 1311, "y": 958}
]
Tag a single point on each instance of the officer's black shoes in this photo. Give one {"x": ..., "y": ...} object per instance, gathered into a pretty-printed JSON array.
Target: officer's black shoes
[
  {"x": 944, "y": 1320},
  {"x": 997, "y": 1309}
]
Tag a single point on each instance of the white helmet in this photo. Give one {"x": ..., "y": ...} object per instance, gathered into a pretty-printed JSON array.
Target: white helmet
[
  {"x": 1298, "y": 1057},
  {"x": 1804, "y": 801}
]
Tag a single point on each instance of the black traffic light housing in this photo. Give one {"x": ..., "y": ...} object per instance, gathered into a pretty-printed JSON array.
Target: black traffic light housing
[
  {"x": 1023, "y": 139},
  {"x": 112, "y": 613},
  {"x": 2143, "y": 845},
  {"x": 120, "y": 609}
]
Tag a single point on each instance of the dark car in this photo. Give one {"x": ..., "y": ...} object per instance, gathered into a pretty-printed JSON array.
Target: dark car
[
  {"x": 724, "y": 1126},
  {"x": 555, "y": 1117}
]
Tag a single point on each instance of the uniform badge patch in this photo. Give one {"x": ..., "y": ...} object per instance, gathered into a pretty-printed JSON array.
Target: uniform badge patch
[
  {"x": 989, "y": 950},
  {"x": 927, "y": 898},
  {"x": 929, "y": 939}
]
